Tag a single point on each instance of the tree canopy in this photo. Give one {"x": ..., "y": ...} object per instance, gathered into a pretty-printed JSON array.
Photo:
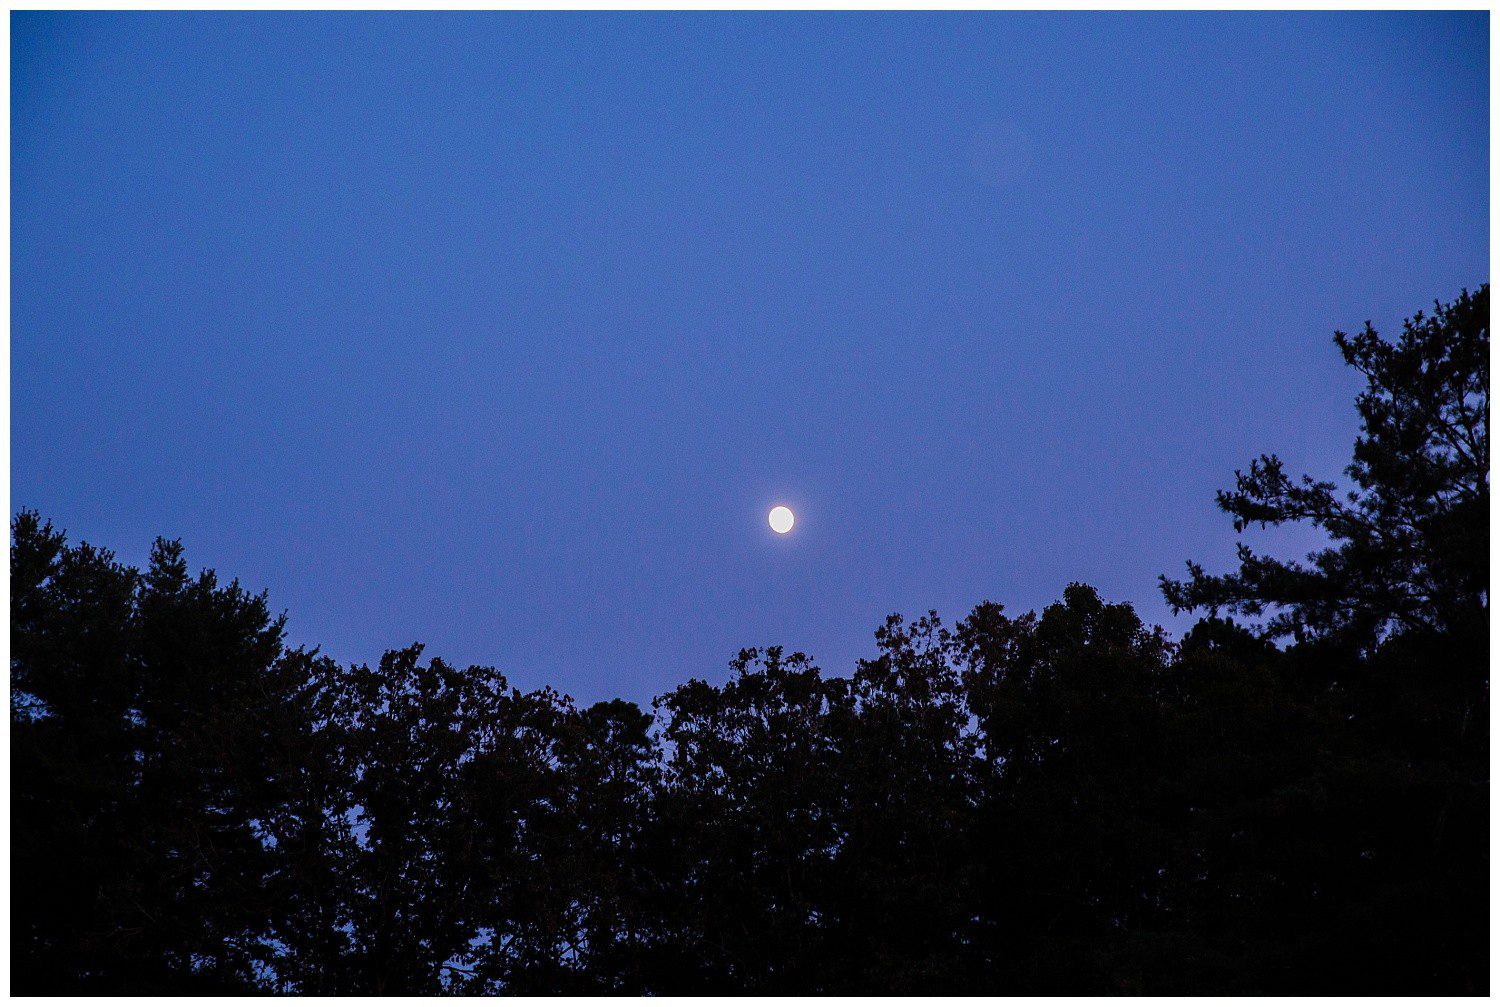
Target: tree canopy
[
  {"x": 1063, "y": 801},
  {"x": 1409, "y": 544}
]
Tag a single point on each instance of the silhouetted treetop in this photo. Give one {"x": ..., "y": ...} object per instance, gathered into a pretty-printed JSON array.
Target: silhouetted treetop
[{"x": 1410, "y": 541}]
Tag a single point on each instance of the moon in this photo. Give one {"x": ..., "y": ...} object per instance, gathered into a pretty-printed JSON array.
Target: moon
[{"x": 782, "y": 520}]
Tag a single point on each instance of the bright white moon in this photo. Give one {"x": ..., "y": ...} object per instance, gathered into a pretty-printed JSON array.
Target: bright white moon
[{"x": 781, "y": 520}]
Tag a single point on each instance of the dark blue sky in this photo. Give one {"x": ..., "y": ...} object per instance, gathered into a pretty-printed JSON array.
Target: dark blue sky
[{"x": 503, "y": 333}]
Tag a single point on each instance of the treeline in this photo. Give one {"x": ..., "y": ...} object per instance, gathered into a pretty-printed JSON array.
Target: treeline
[{"x": 1291, "y": 798}]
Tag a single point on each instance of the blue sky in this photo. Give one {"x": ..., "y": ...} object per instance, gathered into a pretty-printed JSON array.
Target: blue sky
[{"x": 504, "y": 332}]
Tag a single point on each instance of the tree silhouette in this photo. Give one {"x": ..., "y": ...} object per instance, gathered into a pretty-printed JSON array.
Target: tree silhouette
[
  {"x": 1064, "y": 801},
  {"x": 153, "y": 724},
  {"x": 1411, "y": 541}
]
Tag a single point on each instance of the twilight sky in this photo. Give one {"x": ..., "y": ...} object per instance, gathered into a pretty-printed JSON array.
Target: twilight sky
[{"x": 504, "y": 332}]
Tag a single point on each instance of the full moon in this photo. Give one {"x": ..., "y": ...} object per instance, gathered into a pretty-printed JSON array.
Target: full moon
[{"x": 781, "y": 520}]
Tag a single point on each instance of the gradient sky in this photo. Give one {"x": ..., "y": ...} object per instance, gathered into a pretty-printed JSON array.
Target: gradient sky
[{"x": 504, "y": 332}]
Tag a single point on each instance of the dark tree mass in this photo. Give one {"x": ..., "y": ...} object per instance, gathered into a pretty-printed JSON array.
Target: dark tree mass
[{"x": 1291, "y": 798}]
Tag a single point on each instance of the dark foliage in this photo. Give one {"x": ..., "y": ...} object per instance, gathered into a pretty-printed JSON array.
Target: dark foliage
[
  {"x": 1410, "y": 543},
  {"x": 1062, "y": 802}
]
